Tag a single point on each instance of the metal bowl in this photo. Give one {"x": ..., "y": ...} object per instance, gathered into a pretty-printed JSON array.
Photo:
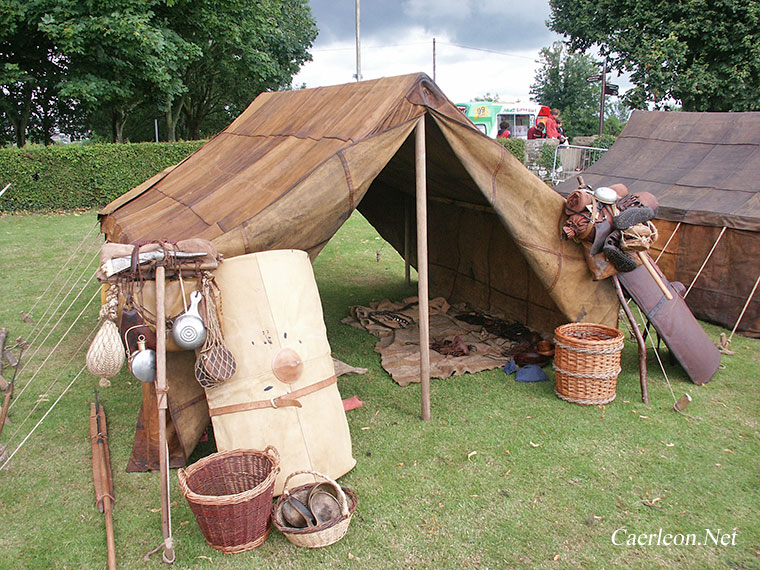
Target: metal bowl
[{"x": 606, "y": 195}]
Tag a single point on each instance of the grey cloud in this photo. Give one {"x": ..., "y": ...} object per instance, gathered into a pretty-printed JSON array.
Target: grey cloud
[{"x": 489, "y": 24}]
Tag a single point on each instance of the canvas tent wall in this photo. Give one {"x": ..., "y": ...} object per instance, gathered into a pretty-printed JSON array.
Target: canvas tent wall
[
  {"x": 704, "y": 169},
  {"x": 293, "y": 166}
]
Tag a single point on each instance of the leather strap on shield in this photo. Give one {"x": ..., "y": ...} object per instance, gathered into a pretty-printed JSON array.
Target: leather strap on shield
[{"x": 290, "y": 399}]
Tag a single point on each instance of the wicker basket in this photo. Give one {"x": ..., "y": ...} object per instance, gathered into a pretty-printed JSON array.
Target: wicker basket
[
  {"x": 323, "y": 534},
  {"x": 587, "y": 362},
  {"x": 230, "y": 494}
]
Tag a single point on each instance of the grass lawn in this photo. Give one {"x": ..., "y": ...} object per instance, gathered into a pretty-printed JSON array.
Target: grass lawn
[{"x": 505, "y": 475}]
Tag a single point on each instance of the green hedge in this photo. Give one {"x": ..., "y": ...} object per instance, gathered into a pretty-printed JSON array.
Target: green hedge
[
  {"x": 515, "y": 146},
  {"x": 604, "y": 141},
  {"x": 69, "y": 177}
]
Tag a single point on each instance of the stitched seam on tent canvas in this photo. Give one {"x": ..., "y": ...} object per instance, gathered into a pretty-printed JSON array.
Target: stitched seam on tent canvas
[{"x": 350, "y": 182}]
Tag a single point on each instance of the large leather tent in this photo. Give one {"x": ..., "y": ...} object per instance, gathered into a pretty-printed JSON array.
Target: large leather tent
[
  {"x": 295, "y": 164},
  {"x": 704, "y": 170}
]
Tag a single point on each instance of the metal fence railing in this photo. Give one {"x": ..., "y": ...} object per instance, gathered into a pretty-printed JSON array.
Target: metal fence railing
[{"x": 570, "y": 160}]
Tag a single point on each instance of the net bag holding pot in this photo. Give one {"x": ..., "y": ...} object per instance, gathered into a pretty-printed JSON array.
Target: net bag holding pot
[
  {"x": 230, "y": 494},
  {"x": 324, "y": 533},
  {"x": 587, "y": 362}
]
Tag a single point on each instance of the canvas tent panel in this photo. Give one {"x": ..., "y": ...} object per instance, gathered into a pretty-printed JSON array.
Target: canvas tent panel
[
  {"x": 363, "y": 105},
  {"x": 146, "y": 220},
  {"x": 719, "y": 167},
  {"x": 675, "y": 161},
  {"x": 316, "y": 207},
  {"x": 532, "y": 217}
]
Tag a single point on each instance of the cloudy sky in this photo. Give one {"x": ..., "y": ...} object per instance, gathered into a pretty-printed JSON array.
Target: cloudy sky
[{"x": 488, "y": 46}]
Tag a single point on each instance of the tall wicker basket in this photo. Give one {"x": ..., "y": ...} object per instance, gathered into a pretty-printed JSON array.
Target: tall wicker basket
[
  {"x": 587, "y": 362},
  {"x": 230, "y": 494}
]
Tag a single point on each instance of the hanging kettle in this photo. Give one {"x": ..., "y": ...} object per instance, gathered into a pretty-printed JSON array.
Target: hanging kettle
[
  {"x": 188, "y": 330},
  {"x": 143, "y": 362}
]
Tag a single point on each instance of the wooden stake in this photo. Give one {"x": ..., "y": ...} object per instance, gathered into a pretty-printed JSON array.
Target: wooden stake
[
  {"x": 422, "y": 264},
  {"x": 162, "y": 402}
]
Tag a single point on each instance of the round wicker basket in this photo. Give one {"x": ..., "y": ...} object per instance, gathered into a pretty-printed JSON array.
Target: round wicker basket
[
  {"x": 324, "y": 534},
  {"x": 230, "y": 494},
  {"x": 587, "y": 362}
]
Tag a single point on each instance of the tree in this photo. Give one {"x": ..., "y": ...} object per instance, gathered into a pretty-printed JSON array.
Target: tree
[
  {"x": 29, "y": 70},
  {"x": 118, "y": 55},
  {"x": 246, "y": 48},
  {"x": 616, "y": 115},
  {"x": 488, "y": 98},
  {"x": 704, "y": 54},
  {"x": 561, "y": 82}
]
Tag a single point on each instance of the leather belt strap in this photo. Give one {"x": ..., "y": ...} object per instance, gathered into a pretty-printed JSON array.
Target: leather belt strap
[{"x": 290, "y": 399}]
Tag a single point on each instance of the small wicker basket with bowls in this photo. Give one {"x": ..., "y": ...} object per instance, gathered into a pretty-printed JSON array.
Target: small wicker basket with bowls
[
  {"x": 230, "y": 494},
  {"x": 316, "y": 514},
  {"x": 587, "y": 362}
]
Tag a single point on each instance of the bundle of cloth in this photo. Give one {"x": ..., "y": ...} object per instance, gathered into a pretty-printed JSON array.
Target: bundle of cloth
[{"x": 612, "y": 221}]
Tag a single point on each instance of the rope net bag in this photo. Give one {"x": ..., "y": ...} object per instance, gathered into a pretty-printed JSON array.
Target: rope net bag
[
  {"x": 215, "y": 363},
  {"x": 105, "y": 357}
]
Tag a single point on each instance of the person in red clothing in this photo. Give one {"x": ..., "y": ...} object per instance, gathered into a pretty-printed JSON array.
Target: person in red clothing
[
  {"x": 503, "y": 130},
  {"x": 537, "y": 131},
  {"x": 551, "y": 125}
]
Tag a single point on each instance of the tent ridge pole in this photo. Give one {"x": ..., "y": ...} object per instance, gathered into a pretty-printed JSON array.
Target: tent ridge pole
[{"x": 422, "y": 264}]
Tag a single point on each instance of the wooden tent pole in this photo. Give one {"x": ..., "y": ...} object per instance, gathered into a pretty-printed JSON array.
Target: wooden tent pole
[
  {"x": 407, "y": 244},
  {"x": 162, "y": 402},
  {"x": 422, "y": 264}
]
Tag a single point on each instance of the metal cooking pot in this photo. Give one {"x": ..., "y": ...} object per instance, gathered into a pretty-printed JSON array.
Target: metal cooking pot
[{"x": 188, "y": 330}]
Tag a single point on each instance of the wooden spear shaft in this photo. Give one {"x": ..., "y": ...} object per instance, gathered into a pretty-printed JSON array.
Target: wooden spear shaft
[
  {"x": 101, "y": 473},
  {"x": 162, "y": 402}
]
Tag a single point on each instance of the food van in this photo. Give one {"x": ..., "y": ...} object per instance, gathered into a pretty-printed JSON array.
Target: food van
[{"x": 487, "y": 116}]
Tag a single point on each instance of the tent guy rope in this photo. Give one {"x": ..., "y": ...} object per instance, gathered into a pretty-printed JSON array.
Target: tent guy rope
[
  {"x": 75, "y": 354},
  {"x": 741, "y": 315},
  {"x": 39, "y": 423},
  {"x": 65, "y": 312},
  {"x": 65, "y": 334},
  {"x": 64, "y": 267},
  {"x": 668, "y": 242},
  {"x": 709, "y": 255}
]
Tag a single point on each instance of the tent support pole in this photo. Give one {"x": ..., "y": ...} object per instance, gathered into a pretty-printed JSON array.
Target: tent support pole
[
  {"x": 639, "y": 341},
  {"x": 407, "y": 244},
  {"x": 422, "y": 264},
  {"x": 162, "y": 402}
]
